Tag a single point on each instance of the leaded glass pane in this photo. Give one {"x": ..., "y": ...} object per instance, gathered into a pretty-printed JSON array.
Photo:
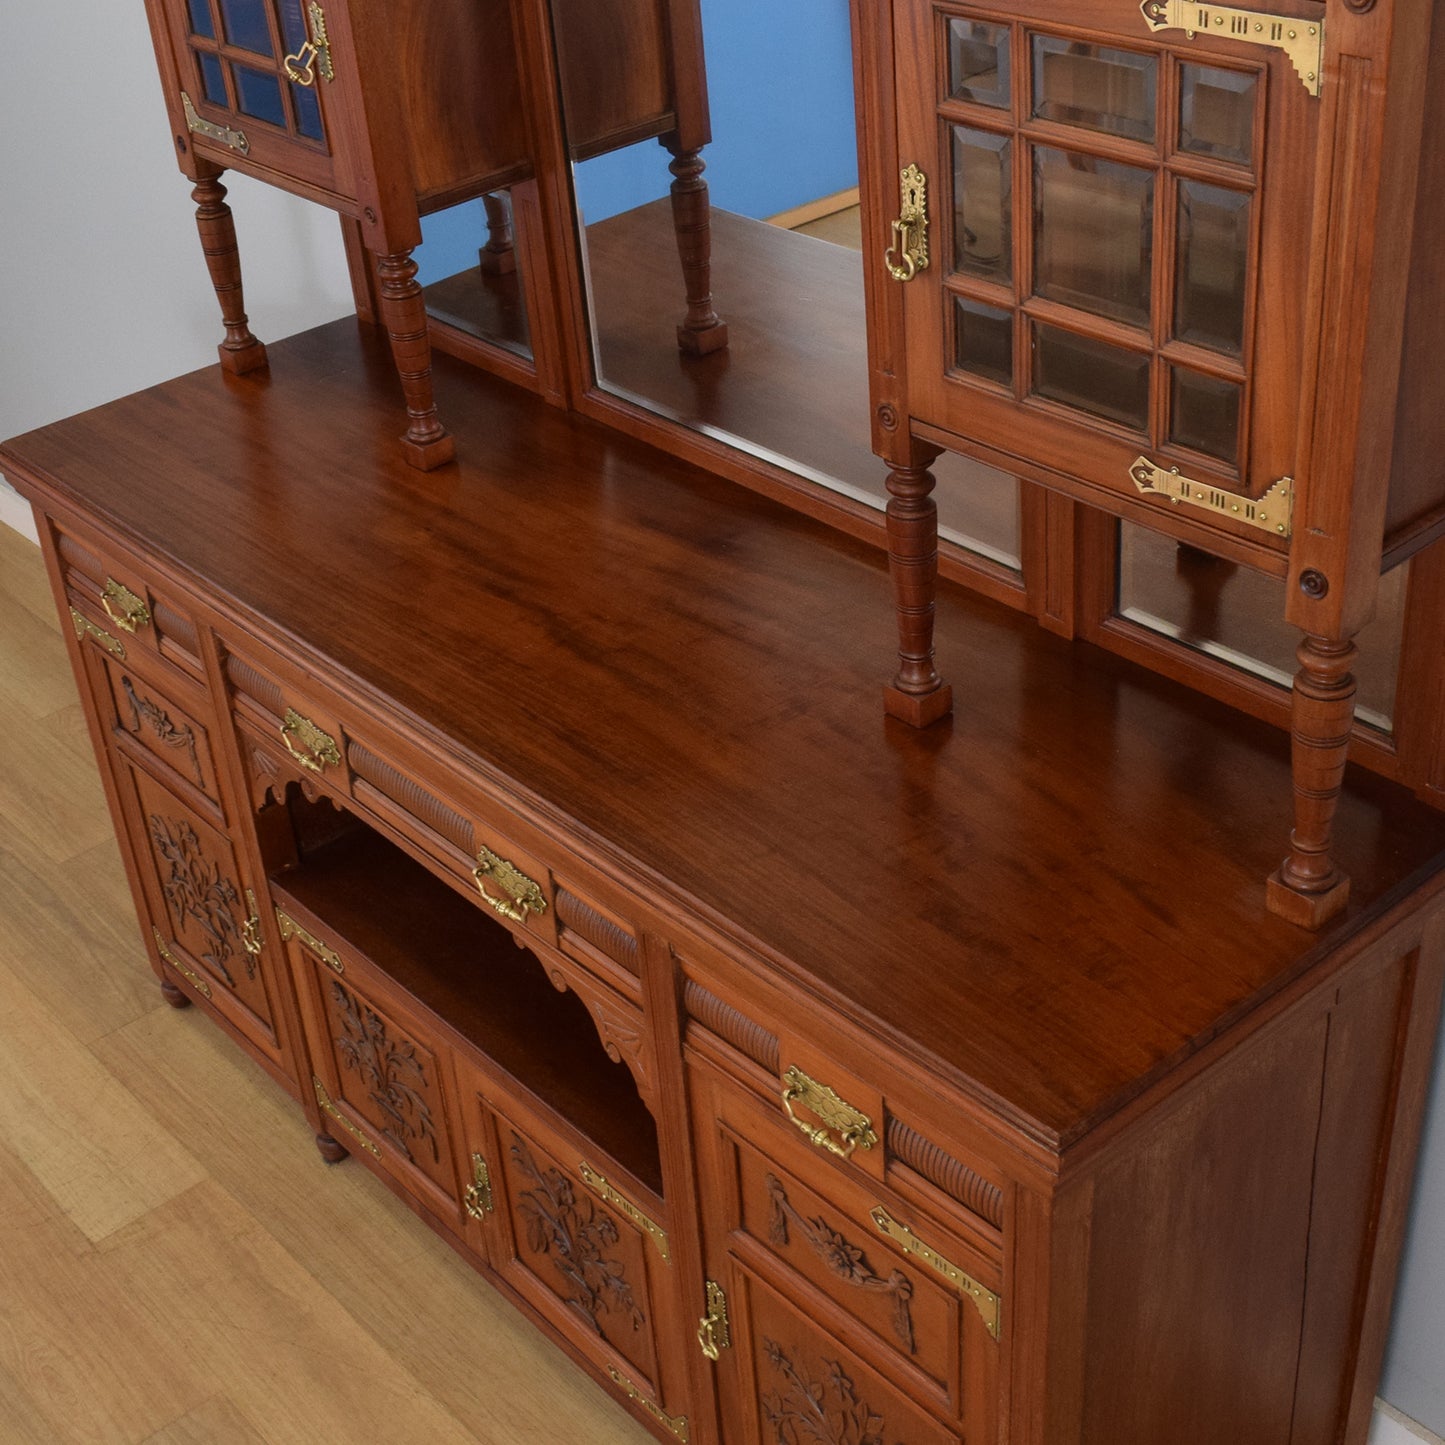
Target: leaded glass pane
[
  {"x": 982, "y": 203},
  {"x": 978, "y": 62},
  {"x": 1093, "y": 234},
  {"x": 1213, "y": 266},
  {"x": 1205, "y": 414},
  {"x": 258, "y": 95},
  {"x": 984, "y": 340},
  {"x": 1093, "y": 86},
  {"x": 1094, "y": 376},
  {"x": 1216, "y": 113},
  {"x": 246, "y": 25}
]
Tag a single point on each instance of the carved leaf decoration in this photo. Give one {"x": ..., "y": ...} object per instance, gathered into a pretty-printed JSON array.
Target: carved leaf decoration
[
  {"x": 196, "y": 891},
  {"x": 388, "y": 1069},
  {"x": 805, "y": 1411},
  {"x": 574, "y": 1235},
  {"x": 146, "y": 711}
]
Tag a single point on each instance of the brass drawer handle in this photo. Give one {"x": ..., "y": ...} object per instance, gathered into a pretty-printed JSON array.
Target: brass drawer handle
[
  {"x": 315, "y": 54},
  {"x": 523, "y": 894},
  {"x": 908, "y": 255},
  {"x": 318, "y": 749},
  {"x": 123, "y": 607},
  {"x": 853, "y": 1127}
]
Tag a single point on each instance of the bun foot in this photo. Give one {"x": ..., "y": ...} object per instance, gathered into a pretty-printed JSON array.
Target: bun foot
[
  {"x": 918, "y": 710},
  {"x": 173, "y": 995},
  {"x": 241, "y": 359},
  {"x": 1308, "y": 910},
  {"x": 330, "y": 1150}
]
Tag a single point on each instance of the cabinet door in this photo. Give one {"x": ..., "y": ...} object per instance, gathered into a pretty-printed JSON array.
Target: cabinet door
[
  {"x": 1118, "y": 215},
  {"x": 256, "y": 81},
  {"x": 839, "y": 1312}
]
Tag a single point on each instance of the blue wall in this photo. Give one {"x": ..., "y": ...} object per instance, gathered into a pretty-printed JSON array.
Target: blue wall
[{"x": 780, "y": 77}]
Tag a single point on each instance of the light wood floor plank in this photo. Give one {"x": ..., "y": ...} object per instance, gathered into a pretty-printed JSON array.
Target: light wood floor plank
[
  {"x": 51, "y": 802},
  {"x": 23, "y": 582},
  {"x": 217, "y": 1422}
]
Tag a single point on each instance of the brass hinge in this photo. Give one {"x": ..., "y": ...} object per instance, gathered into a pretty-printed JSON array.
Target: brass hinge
[
  {"x": 1302, "y": 40},
  {"x": 1273, "y": 512},
  {"x": 83, "y": 624},
  {"x": 199, "y": 125},
  {"x": 291, "y": 929},
  {"x": 315, "y": 54},
  {"x": 854, "y": 1128},
  {"x": 324, "y": 1099},
  {"x": 187, "y": 973},
  {"x": 673, "y": 1424},
  {"x": 123, "y": 607},
  {"x": 251, "y": 939},
  {"x": 478, "y": 1196},
  {"x": 989, "y": 1305},
  {"x": 523, "y": 894},
  {"x": 713, "y": 1333},
  {"x": 603, "y": 1189}
]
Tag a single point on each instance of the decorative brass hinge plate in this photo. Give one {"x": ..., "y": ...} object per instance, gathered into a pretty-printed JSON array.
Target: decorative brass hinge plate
[
  {"x": 673, "y": 1424},
  {"x": 291, "y": 929},
  {"x": 523, "y": 894},
  {"x": 187, "y": 973},
  {"x": 478, "y": 1195},
  {"x": 604, "y": 1189},
  {"x": 315, "y": 55},
  {"x": 853, "y": 1127},
  {"x": 1273, "y": 512},
  {"x": 123, "y": 607},
  {"x": 908, "y": 253},
  {"x": 1302, "y": 40},
  {"x": 317, "y": 750},
  {"x": 713, "y": 1333},
  {"x": 324, "y": 1099},
  {"x": 989, "y": 1305},
  {"x": 251, "y": 939},
  {"x": 83, "y": 624},
  {"x": 199, "y": 125}
]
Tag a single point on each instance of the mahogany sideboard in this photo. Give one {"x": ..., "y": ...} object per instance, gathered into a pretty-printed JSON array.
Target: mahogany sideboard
[{"x": 804, "y": 1075}]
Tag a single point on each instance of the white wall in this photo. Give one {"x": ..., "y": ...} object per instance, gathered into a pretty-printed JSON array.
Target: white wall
[{"x": 103, "y": 291}]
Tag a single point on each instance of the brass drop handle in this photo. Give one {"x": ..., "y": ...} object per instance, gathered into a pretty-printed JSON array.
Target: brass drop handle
[
  {"x": 315, "y": 54},
  {"x": 713, "y": 1332},
  {"x": 478, "y": 1195},
  {"x": 251, "y": 928},
  {"x": 908, "y": 253},
  {"x": 317, "y": 748},
  {"x": 853, "y": 1127},
  {"x": 123, "y": 607},
  {"x": 523, "y": 895}
]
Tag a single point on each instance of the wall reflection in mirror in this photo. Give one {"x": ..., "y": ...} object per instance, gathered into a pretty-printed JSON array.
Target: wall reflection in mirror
[{"x": 715, "y": 169}]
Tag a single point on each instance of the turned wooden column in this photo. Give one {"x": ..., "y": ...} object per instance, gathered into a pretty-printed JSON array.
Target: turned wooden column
[
  {"x": 1309, "y": 888},
  {"x": 240, "y": 352},
  {"x": 499, "y": 256},
  {"x": 702, "y": 331},
  {"x": 917, "y": 695},
  {"x": 427, "y": 443}
]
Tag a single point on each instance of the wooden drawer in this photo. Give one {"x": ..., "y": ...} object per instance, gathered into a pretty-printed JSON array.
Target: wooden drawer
[
  {"x": 293, "y": 730},
  {"x": 115, "y": 603}
]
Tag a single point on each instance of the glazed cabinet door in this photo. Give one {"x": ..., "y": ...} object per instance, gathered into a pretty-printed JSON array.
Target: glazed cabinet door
[
  {"x": 1104, "y": 220},
  {"x": 837, "y": 1311},
  {"x": 255, "y": 81}
]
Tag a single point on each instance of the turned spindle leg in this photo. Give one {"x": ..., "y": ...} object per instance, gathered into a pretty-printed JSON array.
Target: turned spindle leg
[
  {"x": 427, "y": 443},
  {"x": 918, "y": 695},
  {"x": 1309, "y": 889},
  {"x": 701, "y": 332},
  {"x": 240, "y": 351},
  {"x": 499, "y": 256}
]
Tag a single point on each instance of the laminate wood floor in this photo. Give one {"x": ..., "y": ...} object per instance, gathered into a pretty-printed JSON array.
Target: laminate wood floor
[{"x": 177, "y": 1265}]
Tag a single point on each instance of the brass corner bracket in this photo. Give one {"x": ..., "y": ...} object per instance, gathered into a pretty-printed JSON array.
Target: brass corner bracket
[
  {"x": 1302, "y": 40},
  {"x": 1273, "y": 512}
]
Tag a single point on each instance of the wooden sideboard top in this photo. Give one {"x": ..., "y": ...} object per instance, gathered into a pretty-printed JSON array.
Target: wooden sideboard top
[{"x": 1052, "y": 897}]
